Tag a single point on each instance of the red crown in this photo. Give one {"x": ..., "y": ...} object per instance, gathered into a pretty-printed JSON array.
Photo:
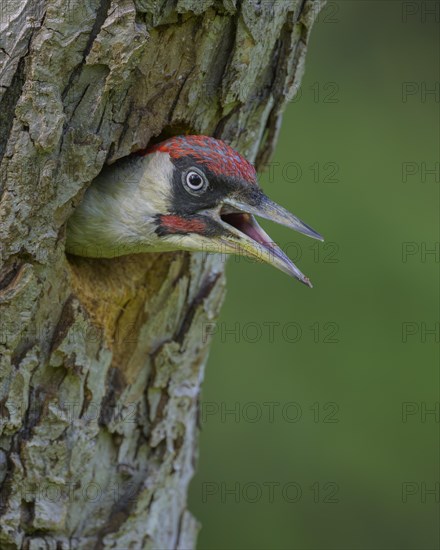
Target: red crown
[{"x": 216, "y": 155}]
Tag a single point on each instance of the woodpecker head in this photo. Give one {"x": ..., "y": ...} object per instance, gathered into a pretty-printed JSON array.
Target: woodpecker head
[
  {"x": 186, "y": 193},
  {"x": 210, "y": 196}
]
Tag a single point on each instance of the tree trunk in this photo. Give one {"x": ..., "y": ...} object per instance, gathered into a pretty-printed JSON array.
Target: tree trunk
[{"x": 102, "y": 360}]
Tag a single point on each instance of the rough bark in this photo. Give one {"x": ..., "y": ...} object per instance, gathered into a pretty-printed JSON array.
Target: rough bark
[{"x": 102, "y": 360}]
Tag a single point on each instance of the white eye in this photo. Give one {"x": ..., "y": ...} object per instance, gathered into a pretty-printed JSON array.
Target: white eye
[{"x": 194, "y": 180}]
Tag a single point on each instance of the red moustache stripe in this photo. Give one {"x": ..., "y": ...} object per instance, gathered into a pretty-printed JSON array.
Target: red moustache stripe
[{"x": 176, "y": 224}]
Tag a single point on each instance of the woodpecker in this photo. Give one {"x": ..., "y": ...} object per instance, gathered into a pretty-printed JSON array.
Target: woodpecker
[{"x": 189, "y": 192}]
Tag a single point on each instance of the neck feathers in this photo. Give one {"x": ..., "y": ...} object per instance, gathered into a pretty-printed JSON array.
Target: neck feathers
[{"x": 118, "y": 211}]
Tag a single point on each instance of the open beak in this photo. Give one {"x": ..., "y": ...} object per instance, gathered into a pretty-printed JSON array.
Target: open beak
[{"x": 245, "y": 236}]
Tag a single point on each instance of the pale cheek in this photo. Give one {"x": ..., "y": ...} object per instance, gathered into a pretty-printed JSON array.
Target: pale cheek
[{"x": 156, "y": 181}]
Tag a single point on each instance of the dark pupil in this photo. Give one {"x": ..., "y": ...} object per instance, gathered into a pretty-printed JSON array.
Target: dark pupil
[{"x": 195, "y": 180}]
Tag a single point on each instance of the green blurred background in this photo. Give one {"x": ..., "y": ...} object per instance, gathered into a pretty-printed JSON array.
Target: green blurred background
[{"x": 331, "y": 445}]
